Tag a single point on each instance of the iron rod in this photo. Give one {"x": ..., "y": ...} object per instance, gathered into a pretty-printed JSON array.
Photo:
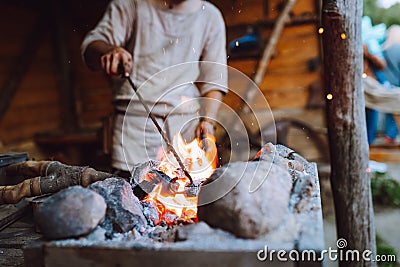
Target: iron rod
[{"x": 160, "y": 130}]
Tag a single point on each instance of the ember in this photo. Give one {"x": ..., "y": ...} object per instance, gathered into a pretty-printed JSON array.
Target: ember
[{"x": 179, "y": 202}]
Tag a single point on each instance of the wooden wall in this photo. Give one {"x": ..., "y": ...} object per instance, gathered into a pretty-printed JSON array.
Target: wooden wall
[
  {"x": 38, "y": 105},
  {"x": 39, "y": 102},
  {"x": 288, "y": 75}
]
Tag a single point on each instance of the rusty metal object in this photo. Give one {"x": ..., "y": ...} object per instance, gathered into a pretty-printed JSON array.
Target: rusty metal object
[
  {"x": 169, "y": 186},
  {"x": 35, "y": 203}
]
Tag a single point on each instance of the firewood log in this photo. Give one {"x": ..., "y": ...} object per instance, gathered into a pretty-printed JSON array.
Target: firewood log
[{"x": 49, "y": 177}]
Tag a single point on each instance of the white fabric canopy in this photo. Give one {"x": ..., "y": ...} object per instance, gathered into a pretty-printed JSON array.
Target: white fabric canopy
[{"x": 381, "y": 98}]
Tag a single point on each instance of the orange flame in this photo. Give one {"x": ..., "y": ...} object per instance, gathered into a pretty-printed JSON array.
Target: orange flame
[{"x": 199, "y": 162}]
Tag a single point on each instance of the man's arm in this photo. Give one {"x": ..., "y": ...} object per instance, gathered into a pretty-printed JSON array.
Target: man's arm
[
  {"x": 213, "y": 74},
  {"x": 212, "y": 101},
  {"x": 102, "y": 56},
  {"x": 102, "y": 48},
  {"x": 377, "y": 62}
]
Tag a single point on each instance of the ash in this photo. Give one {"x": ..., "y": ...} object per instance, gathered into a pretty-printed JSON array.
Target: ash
[{"x": 198, "y": 236}]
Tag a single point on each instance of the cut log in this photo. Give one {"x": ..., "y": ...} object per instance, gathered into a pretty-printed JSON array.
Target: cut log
[{"x": 52, "y": 176}]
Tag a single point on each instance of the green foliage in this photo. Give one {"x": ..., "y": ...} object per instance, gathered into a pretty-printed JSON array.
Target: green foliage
[
  {"x": 385, "y": 190},
  {"x": 384, "y": 249},
  {"x": 369, "y": 7},
  {"x": 378, "y": 15}
]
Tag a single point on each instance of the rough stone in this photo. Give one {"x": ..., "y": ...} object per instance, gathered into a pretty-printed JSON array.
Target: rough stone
[
  {"x": 72, "y": 212},
  {"x": 151, "y": 213},
  {"x": 124, "y": 211},
  {"x": 282, "y": 156},
  {"x": 257, "y": 203}
]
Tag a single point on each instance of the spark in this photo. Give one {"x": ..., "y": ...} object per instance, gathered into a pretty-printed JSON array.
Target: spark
[
  {"x": 343, "y": 36},
  {"x": 364, "y": 75},
  {"x": 329, "y": 96},
  {"x": 321, "y": 30},
  {"x": 237, "y": 43}
]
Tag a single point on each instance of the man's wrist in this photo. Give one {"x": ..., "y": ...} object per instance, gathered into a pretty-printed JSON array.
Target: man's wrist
[{"x": 208, "y": 120}]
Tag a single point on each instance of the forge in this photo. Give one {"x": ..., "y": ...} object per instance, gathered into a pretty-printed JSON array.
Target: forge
[{"x": 237, "y": 229}]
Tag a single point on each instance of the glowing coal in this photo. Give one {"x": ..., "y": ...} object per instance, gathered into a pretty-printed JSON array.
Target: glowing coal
[{"x": 174, "y": 197}]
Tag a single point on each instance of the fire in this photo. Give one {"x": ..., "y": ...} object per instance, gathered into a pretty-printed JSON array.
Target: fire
[{"x": 200, "y": 160}]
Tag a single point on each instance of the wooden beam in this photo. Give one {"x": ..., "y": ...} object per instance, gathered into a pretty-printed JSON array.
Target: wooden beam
[
  {"x": 269, "y": 23},
  {"x": 343, "y": 62},
  {"x": 385, "y": 154},
  {"x": 273, "y": 40}
]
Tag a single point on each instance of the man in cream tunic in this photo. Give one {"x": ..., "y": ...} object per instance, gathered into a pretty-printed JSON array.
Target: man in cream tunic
[{"x": 174, "y": 51}]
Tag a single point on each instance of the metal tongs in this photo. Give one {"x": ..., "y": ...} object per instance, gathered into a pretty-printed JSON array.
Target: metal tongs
[{"x": 121, "y": 70}]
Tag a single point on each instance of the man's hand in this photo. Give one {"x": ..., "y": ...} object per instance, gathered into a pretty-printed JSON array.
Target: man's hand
[
  {"x": 102, "y": 56},
  {"x": 209, "y": 109},
  {"x": 203, "y": 130},
  {"x": 112, "y": 61},
  {"x": 205, "y": 127}
]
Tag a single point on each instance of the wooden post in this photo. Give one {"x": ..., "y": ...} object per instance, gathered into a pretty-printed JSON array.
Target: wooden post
[{"x": 342, "y": 53}]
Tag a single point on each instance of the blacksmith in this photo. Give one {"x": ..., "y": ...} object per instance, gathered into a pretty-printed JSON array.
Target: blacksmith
[{"x": 153, "y": 40}]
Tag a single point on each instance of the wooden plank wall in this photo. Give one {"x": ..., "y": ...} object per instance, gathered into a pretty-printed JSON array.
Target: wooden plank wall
[
  {"x": 36, "y": 105},
  {"x": 29, "y": 111},
  {"x": 288, "y": 77}
]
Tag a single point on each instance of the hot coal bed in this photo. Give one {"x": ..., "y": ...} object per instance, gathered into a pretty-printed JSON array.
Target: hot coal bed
[{"x": 269, "y": 204}]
